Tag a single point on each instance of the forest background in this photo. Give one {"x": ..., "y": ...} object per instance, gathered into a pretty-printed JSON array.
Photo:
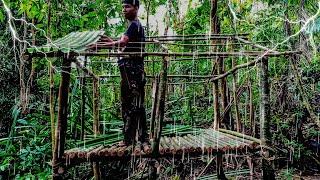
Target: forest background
[{"x": 25, "y": 122}]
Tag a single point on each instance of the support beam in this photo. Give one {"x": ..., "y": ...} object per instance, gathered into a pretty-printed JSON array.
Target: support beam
[{"x": 60, "y": 134}]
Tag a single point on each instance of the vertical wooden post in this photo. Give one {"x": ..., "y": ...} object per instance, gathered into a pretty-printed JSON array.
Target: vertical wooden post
[
  {"x": 51, "y": 73},
  {"x": 60, "y": 134},
  {"x": 51, "y": 104},
  {"x": 219, "y": 167},
  {"x": 83, "y": 100},
  {"x": 265, "y": 103},
  {"x": 215, "y": 28},
  {"x": 235, "y": 99},
  {"x": 265, "y": 134},
  {"x": 215, "y": 89},
  {"x": 161, "y": 104},
  {"x": 95, "y": 110},
  {"x": 223, "y": 93},
  {"x": 251, "y": 109},
  {"x": 95, "y": 106},
  {"x": 155, "y": 91}
]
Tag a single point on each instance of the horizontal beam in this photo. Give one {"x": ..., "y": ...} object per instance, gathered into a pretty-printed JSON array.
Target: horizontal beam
[
  {"x": 217, "y": 44},
  {"x": 190, "y": 35},
  {"x": 151, "y": 61},
  {"x": 173, "y": 83},
  {"x": 205, "y": 38},
  {"x": 199, "y": 35},
  {"x": 150, "y": 76},
  {"x": 174, "y": 54}
]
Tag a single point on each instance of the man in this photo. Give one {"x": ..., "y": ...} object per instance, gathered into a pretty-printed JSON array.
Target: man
[{"x": 132, "y": 75}]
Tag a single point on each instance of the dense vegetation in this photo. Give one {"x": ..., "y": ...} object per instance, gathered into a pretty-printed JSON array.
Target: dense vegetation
[{"x": 25, "y": 122}]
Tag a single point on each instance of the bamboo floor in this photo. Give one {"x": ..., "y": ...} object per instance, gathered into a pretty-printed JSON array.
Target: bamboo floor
[{"x": 206, "y": 141}]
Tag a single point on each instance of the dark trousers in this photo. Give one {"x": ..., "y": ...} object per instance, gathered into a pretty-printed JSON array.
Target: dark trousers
[{"x": 132, "y": 102}]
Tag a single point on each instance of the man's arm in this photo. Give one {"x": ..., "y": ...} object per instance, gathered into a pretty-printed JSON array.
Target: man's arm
[{"x": 123, "y": 41}]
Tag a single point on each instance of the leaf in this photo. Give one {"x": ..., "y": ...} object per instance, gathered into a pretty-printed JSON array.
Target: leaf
[
  {"x": 313, "y": 27},
  {"x": 1, "y": 16},
  {"x": 22, "y": 121}
]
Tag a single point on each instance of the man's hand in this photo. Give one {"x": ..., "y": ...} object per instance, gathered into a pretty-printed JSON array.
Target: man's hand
[{"x": 107, "y": 43}]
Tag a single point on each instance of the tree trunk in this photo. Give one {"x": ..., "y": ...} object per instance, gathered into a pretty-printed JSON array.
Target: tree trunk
[
  {"x": 215, "y": 87},
  {"x": 265, "y": 134}
]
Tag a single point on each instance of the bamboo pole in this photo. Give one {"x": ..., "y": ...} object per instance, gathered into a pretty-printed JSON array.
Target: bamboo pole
[
  {"x": 240, "y": 135},
  {"x": 60, "y": 133}
]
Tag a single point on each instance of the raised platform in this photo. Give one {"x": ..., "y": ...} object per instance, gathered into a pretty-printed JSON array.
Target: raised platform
[{"x": 206, "y": 141}]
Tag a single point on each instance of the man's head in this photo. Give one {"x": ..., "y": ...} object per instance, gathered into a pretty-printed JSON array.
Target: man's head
[{"x": 130, "y": 8}]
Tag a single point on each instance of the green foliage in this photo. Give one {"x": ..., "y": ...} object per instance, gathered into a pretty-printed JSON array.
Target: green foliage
[{"x": 27, "y": 148}]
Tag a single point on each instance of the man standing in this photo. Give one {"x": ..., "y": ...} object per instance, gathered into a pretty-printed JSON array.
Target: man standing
[{"x": 132, "y": 75}]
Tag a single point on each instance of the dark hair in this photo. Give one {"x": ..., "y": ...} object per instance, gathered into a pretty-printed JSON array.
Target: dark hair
[{"x": 132, "y": 2}]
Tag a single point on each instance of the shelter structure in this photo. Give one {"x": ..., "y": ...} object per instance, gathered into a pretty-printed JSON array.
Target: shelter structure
[{"x": 223, "y": 136}]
